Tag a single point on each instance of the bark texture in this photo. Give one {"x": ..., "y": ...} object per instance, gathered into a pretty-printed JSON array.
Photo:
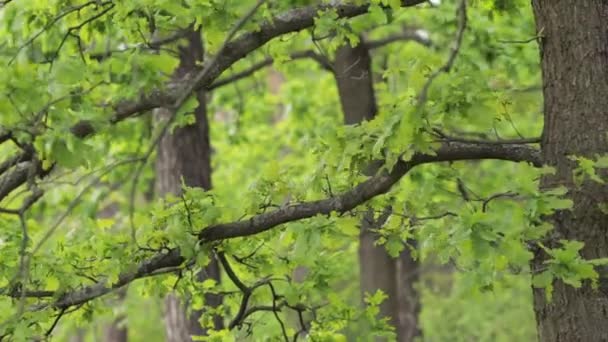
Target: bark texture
[
  {"x": 185, "y": 153},
  {"x": 574, "y": 54},
  {"x": 378, "y": 270}
]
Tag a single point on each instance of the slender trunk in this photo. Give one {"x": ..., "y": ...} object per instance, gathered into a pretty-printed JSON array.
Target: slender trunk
[
  {"x": 574, "y": 56},
  {"x": 378, "y": 270},
  {"x": 185, "y": 154}
]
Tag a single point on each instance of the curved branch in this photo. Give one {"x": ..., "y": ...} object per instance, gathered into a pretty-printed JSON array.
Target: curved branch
[
  {"x": 346, "y": 201},
  {"x": 5, "y": 135},
  {"x": 293, "y": 20},
  {"x": 17, "y": 176},
  {"x": 289, "y": 21},
  {"x": 455, "y": 50},
  {"x": 367, "y": 190},
  {"x": 323, "y": 62}
]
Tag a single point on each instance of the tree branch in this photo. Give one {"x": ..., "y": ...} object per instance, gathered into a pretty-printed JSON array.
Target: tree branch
[
  {"x": 462, "y": 25},
  {"x": 374, "y": 186},
  {"x": 367, "y": 190},
  {"x": 12, "y": 179},
  {"x": 323, "y": 61},
  {"x": 5, "y": 135},
  {"x": 154, "y": 44},
  {"x": 14, "y": 160},
  {"x": 287, "y": 22}
]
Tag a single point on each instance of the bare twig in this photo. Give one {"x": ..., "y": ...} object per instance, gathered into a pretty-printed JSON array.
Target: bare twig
[
  {"x": 52, "y": 327},
  {"x": 524, "y": 41},
  {"x": 71, "y": 30},
  {"x": 275, "y": 311},
  {"x": 303, "y": 328},
  {"x": 487, "y": 201},
  {"x": 230, "y": 272},
  {"x": 61, "y": 15}
]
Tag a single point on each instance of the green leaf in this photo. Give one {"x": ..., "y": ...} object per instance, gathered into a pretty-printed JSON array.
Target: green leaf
[{"x": 542, "y": 280}]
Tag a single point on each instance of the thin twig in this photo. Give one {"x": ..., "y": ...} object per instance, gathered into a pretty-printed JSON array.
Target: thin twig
[
  {"x": 231, "y": 274},
  {"x": 73, "y": 205},
  {"x": 55, "y": 20},
  {"x": 462, "y": 24},
  {"x": 323, "y": 62},
  {"x": 486, "y": 202},
  {"x": 189, "y": 88},
  {"x": 303, "y": 328},
  {"x": 275, "y": 311},
  {"x": 57, "y": 318},
  {"x": 524, "y": 41},
  {"x": 71, "y": 30}
]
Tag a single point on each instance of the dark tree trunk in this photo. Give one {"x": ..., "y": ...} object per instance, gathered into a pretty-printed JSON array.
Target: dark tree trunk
[
  {"x": 394, "y": 276},
  {"x": 574, "y": 53},
  {"x": 185, "y": 153}
]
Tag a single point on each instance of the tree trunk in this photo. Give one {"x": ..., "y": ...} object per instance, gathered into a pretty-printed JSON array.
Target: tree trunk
[
  {"x": 185, "y": 153},
  {"x": 378, "y": 270},
  {"x": 574, "y": 54}
]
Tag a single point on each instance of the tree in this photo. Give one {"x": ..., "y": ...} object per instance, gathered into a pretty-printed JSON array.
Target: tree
[
  {"x": 395, "y": 277},
  {"x": 575, "y": 81},
  {"x": 184, "y": 156},
  {"x": 453, "y": 137}
]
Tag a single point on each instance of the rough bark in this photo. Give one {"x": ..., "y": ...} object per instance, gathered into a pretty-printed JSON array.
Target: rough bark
[
  {"x": 574, "y": 55},
  {"x": 185, "y": 154},
  {"x": 378, "y": 270}
]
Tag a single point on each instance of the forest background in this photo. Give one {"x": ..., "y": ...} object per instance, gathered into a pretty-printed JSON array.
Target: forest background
[{"x": 280, "y": 170}]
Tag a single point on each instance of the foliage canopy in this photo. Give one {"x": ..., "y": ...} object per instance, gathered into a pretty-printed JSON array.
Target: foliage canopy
[{"x": 80, "y": 79}]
